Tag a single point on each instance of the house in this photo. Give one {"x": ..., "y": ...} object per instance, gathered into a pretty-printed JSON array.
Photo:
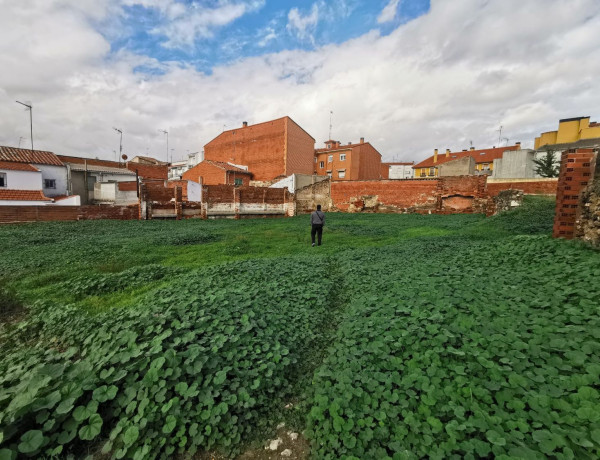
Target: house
[
  {"x": 576, "y": 132},
  {"x": 177, "y": 168},
  {"x": 210, "y": 172},
  {"x": 147, "y": 161},
  {"x": 273, "y": 149},
  {"x": 21, "y": 185},
  {"x": 397, "y": 170},
  {"x": 484, "y": 160},
  {"x": 84, "y": 173},
  {"x": 348, "y": 162},
  {"x": 54, "y": 172}
]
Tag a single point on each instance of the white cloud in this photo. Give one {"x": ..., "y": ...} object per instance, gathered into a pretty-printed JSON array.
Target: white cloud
[
  {"x": 388, "y": 14},
  {"x": 446, "y": 78},
  {"x": 303, "y": 26}
]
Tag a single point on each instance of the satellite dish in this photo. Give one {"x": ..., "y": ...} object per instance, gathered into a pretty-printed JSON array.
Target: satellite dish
[{"x": 124, "y": 157}]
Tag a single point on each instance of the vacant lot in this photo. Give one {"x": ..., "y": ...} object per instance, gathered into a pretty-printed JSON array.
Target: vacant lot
[{"x": 402, "y": 337}]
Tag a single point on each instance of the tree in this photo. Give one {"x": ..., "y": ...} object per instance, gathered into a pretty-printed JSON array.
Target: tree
[{"x": 546, "y": 166}]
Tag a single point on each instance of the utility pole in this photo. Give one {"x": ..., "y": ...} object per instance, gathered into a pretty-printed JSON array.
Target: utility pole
[
  {"x": 164, "y": 131},
  {"x": 120, "y": 143},
  {"x": 30, "y": 119}
]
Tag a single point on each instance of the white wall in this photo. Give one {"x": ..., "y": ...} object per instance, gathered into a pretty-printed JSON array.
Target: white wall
[
  {"x": 22, "y": 180},
  {"x": 73, "y": 200},
  {"x": 289, "y": 183},
  {"x": 59, "y": 174},
  {"x": 23, "y": 203},
  {"x": 194, "y": 191},
  {"x": 401, "y": 172}
]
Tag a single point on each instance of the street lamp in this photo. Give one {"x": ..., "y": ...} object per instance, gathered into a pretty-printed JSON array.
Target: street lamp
[
  {"x": 164, "y": 131},
  {"x": 30, "y": 119},
  {"x": 120, "y": 143}
]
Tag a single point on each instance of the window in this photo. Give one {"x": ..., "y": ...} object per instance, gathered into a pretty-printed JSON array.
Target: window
[
  {"x": 342, "y": 157},
  {"x": 49, "y": 183},
  {"x": 329, "y": 158},
  {"x": 432, "y": 171},
  {"x": 485, "y": 166},
  {"x": 315, "y": 159},
  {"x": 329, "y": 174},
  {"x": 3, "y": 180},
  {"x": 342, "y": 173},
  {"x": 238, "y": 182},
  {"x": 322, "y": 164},
  {"x": 328, "y": 146}
]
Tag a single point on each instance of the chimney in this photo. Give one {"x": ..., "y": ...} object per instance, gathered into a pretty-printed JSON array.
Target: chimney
[
  {"x": 447, "y": 153},
  {"x": 472, "y": 148},
  {"x": 464, "y": 150},
  {"x": 435, "y": 155},
  {"x": 518, "y": 144},
  {"x": 362, "y": 140},
  {"x": 245, "y": 124}
]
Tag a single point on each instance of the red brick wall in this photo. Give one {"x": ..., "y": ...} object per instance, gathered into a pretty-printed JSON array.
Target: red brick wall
[
  {"x": 576, "y": 171},
  {"x": 385, "y": 171},
  {"x": 149, "y": 171},
  {"x": 261, "y": 147},
  {"x": 179, "y": 183},
  {"x": 225, "y": 194},
  {"x": 401, "y": 194},
  {"x": 129, "y": 186},
  {"x": 157, "y": 192},
  {"x": 206, "y": 174},
  {"x": 528, "y": 188},
  {"x": 300, "y": 149},
  {"x": 15, "y": 214},
  {"x": 233, "y": 175},
  {"x": 462, "y": 185},
  {"x": 369, "y": 162}
]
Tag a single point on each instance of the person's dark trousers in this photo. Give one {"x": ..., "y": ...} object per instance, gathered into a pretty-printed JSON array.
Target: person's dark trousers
[{"x": 316, "y": 230}]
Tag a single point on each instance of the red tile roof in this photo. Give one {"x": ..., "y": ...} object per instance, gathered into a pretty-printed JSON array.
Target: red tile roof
[
  {"x": 480, "y": 156},
  {"x": 227, "y": 166},
  {"x": 39, "y": 157},
  {"x": 23, "y": 195},
  {"x": 13, "y": 166},
  {"x": 405, "y": 163},
  {"x": 92, "y": 162}
]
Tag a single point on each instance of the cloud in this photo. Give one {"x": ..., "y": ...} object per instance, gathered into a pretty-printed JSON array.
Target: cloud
[
  {"x": 453, "y": 75},
  {"x": 183, "y": 24},
  {"x": 301, "y": 26},
  {"x": 388, "y": 14}
]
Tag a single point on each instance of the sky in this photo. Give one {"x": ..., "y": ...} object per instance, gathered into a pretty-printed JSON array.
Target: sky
[{"x": 407, "y": 75}]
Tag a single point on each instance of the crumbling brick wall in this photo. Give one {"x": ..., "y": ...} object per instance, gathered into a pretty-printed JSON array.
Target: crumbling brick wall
[
  {"x": 240, "y": 202},
  {"x": 307, "y": 198},
  {"x": 587, "y": 225},
  {"x": 527, "y": 186},
  {"x": 576, "y": 173},
  {"x": 19, "y": 214}
]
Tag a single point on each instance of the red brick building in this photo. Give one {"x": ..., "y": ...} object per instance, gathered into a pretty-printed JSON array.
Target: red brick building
[
  {"x": 348, "y": 162},
  {"x": 210, "y": 172},
  {"x": 269, "y": 150}
]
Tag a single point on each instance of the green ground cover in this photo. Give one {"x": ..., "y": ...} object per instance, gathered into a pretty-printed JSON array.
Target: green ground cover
[{"x": 404, "y": 336}]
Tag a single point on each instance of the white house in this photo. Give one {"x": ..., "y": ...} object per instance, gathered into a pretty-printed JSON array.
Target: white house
[
  {"x": 21, "y": 184},
  {"x": 53, "y": 171},
  {"x": 401, "y": 170}
]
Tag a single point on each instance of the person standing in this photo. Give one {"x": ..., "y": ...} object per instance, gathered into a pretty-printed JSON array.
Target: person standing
[{"x": 317, "y": 221}]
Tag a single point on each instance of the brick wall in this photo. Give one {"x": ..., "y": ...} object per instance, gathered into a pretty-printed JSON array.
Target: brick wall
[
  {"x": 180, "y": 183},
  {"x": 261, "y": 147},
  {"x": 230, "y": 201},
  {"x": 406, "y": 194},
  {"x": 300, "y": 150},
  {"x": 369, "y": 161},
  {"x": 18, "y": 214},
  {"x": 309, "y": 197},
  {"x": 528, "y": 187},
  {"x": 385, "y": 171},
  {"x": 127, "y": 186},
  {"x": 149, "y": 171},
  {"x": 576, "y": 172}
]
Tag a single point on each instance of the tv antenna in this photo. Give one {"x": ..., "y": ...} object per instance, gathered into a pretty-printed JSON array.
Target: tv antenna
[
  {"x": 330, "y": 123},
  {"x": 499, "y": 135},
  {"x": 120, "y": 131},
  {"x": 28, "y": 105}
]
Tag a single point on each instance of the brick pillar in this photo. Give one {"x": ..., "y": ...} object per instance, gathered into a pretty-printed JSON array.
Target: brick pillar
[
  {"x": 178, "y": 202},
  {"x": 575, "y": 173},
  {"x": 237, "y": 198},
  {"x": 204, "y": 203}
]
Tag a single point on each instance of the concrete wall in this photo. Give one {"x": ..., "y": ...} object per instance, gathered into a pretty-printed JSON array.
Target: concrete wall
[
  {"x": 109, "y": 192},
  {"x": 298, "y": 181},
  {"x": 57, "y": 173},
  {"x": 460, "y": 167},
  {"x": 22, "y": 180},
  {"x": 517, "y": 164}
]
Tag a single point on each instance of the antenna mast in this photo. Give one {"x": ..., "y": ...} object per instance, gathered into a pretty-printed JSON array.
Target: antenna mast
[
  {"x": 499, "y": 135},
  {"x": 330, "y": 123}
]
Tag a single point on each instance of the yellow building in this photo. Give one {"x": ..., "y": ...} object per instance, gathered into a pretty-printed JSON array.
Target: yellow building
[{"x": 569, "y": 130}]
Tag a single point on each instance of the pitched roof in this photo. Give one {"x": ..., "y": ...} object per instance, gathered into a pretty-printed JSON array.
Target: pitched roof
[
  {"x": 401, "y": 163},
  {"x": 13, "y": 166},
  {"x": 39, "y": 157},
  {"x": 91, "y": 162},
  {"x": 480, "y": 156},
  {"x": 23, "y": 195},
  {"x": 227, "y": 166}
]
